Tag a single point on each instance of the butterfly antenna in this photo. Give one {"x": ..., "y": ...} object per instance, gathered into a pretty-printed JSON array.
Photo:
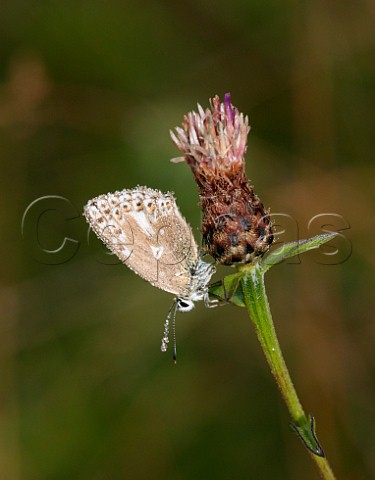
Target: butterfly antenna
[
  {"x": 165, "y": 339},
  {"x": 174, "y": 336}
]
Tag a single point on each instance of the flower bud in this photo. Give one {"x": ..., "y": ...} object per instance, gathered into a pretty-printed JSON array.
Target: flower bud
[{"x": 236, "y": 228}]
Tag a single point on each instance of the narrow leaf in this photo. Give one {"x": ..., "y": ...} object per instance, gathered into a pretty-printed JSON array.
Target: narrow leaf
[
  {"x": 292, "y": 249},
  {"x": 306, "y": 433},
  {"x": 229, "y": 289}
]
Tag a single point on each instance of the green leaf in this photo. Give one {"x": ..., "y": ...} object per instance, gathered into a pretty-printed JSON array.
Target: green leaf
[
  {"x": 306, "y": 433},
  {"x": 292, "y": 249},
  {"x": 229, "y": 289}
]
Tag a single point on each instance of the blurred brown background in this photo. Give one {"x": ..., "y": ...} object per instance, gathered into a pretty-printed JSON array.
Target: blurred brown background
[{"x": 88, "y": 93}]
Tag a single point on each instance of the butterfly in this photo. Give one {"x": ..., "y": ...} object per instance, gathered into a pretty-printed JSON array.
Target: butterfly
[{"x": 144, "y": 228}]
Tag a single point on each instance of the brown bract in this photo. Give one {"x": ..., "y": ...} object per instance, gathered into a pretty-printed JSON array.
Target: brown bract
[{"x": 235, "y": 227}]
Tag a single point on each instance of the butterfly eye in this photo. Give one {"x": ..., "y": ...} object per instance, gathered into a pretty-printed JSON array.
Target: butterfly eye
[{"x": 185, "y": 305}]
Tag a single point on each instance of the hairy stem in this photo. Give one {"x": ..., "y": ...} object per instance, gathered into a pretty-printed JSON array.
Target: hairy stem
[{"x": 256, "y": 301}]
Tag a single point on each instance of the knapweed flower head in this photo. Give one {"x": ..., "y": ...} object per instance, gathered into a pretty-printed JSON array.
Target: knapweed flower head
[{"x": 235, "y": 227}]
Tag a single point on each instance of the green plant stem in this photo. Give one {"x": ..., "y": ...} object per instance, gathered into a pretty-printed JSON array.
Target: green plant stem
[{"x": 256, "y": 301}]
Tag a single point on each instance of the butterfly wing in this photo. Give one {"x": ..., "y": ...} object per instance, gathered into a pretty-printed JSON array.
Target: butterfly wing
[{"x": 147, "y": 232}]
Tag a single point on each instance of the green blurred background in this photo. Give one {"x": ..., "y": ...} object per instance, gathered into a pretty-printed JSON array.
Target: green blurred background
[{"x": 88, "y": 93}]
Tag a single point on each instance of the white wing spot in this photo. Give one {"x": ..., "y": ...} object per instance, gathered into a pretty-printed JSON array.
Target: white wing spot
[
  {"x": 143, "y": 223},
  {"x": 157, "y": 252}
]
